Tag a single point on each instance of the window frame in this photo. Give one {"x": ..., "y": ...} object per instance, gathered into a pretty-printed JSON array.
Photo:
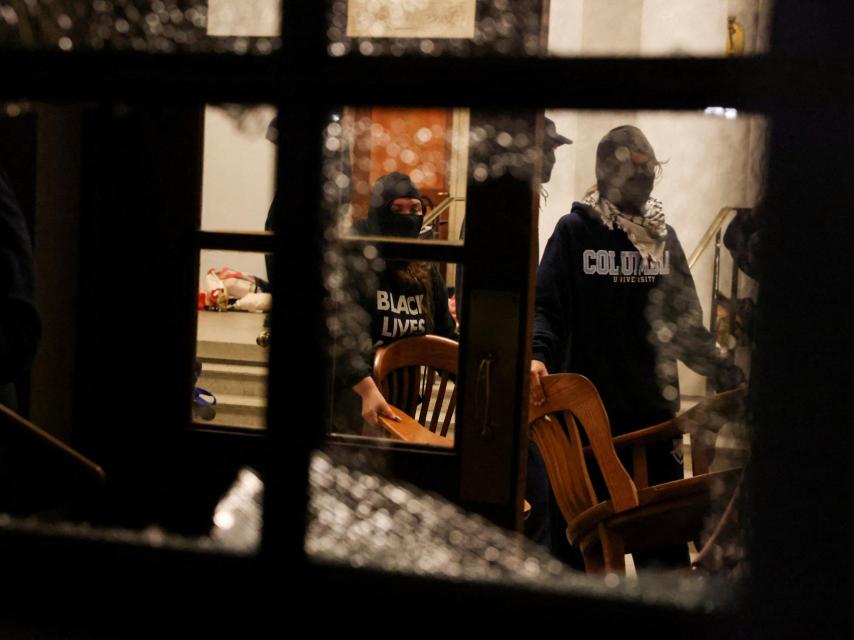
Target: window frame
[{"x": 290, "y": 78}]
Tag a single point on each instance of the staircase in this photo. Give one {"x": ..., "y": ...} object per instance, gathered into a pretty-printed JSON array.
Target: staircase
[{"x": 234, "y": 368}]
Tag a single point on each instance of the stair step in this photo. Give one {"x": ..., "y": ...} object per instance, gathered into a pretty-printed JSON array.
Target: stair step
[
  {"x": 234, "y": 379},
  {"x": 231, "y": 353},
  {"x": 239, "y": 411}
]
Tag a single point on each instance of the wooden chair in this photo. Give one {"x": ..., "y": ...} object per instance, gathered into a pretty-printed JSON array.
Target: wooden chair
[
  {"x": 633, "y": 516},
  {"x": 406, "y": 371}
]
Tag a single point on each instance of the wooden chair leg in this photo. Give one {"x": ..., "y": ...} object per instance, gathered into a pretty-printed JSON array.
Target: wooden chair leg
[
  {"x": 594, "y": 563},
  {"x": 604, "y": 554},
  {"x": 592, "y": 556},
  {"x": 613, "y": 551},
  {"x": 726, "y": 529}
]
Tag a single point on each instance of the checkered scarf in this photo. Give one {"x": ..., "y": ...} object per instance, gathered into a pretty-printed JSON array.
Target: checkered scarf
[{"x": 646, "y": 231}]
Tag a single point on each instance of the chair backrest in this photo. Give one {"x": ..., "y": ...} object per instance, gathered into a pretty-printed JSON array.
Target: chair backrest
[
  {"x": 418, "y": 375},
  {"x": 555, "y": 431}
]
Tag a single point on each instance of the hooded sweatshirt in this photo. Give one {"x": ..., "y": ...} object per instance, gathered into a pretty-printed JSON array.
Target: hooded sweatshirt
[
  {"x": 391, "y": 308},
  {"x": 20, "y": 327},
  {"x": 605, "y": 313}
]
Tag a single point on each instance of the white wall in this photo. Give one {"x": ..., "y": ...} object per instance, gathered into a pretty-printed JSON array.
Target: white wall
[
  {"x": 238, "y": 181},
  {"x": 686, "y": 27}
]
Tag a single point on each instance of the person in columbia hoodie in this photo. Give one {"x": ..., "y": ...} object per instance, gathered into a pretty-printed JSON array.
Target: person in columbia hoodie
[
  {"x": 616, "y": 302},
  {"x": 20, "y": 326},
  {"x": 410, "y": 299}
]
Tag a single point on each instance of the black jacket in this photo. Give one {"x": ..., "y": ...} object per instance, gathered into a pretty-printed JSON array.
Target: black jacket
[
  {"x": 600, "y": 313},
  {"x": 20, "y": 327}
]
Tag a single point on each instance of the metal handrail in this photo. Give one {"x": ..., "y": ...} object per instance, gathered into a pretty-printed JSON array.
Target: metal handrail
[
  {"x": 709, "y": 235},
  {"x": 439, "y": 208}
]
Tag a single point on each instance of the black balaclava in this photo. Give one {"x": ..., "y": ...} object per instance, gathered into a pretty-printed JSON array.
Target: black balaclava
[
  {"x": 622, "y": 181},
  {"x": 380, "y": 217}
]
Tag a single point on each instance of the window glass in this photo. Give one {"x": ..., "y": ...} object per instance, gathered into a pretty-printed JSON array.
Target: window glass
[
  {"x": 402, "y": 175},
  {"x": 430, "y": 146},
  {"x": 712, "y": 165},
  {"x": 394, "y": 329},
  {"x": 239, "y": 167},
  {"x": 646, "y": 286},
  {"x": 232, "y": 340},
  {"x": 151, "y": 26},
  {"x": 99, "y": 208},
  {"x": 631, "y": 28},
  {"x": 434, "y": 27}
]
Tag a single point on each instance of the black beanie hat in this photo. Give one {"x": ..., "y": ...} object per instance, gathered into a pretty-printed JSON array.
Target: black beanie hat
[{"x": 385, "y": 191}]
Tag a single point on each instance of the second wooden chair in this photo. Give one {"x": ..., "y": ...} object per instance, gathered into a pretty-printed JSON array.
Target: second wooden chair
[{"x": 633, "y": 516}]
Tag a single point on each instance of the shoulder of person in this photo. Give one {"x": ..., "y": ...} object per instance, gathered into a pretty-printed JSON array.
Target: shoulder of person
[
  {"x": 436, "y": 278},
  {"x": 581, "y": 221}
]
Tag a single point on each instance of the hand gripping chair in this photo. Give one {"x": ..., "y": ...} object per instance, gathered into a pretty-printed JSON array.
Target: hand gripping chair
[
  {"x": 406, "y": 372},
  {"x": 632, "y": 516}
]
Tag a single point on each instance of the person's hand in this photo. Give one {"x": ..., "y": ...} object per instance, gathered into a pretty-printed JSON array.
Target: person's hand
[
  {"x": 538, "y": 370},
  {"x": 373, "y": 402}
]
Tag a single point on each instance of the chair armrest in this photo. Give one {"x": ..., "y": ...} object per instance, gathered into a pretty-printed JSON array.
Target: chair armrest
[{"x": 655, "y": 433}]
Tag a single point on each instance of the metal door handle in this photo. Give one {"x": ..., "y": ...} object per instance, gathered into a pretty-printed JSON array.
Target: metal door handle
[{"x": 484, "y": 388}]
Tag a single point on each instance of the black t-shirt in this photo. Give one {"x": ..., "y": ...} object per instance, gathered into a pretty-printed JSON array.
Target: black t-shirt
[{"x": 397, "y": 310}]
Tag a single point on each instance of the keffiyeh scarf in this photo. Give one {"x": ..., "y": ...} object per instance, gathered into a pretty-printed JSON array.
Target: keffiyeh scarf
[{"x": 647, "y": 232}]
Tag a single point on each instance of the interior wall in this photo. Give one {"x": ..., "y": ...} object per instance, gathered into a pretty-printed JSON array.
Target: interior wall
[
  {"x": 612, "y": 28},
  {"x": 687, "y": 27},
  {"x": 238, "y": 181}
]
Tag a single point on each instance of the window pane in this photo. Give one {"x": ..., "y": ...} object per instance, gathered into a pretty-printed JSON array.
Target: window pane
[
  {"x": 429, "y": 145},
  {"x": 108, "y": 197},
  {"x": 239, "y": 168},
  {"x": 710, "y": 161},
  {"x": 151, "y": 26},
  {"x": 646, "y": 287},
  {"x": 560, "y": 28},
  {"x": 435, "y": 27},
  {"x": 231, "y": 340},
  {"x": 384, "y": 306}
]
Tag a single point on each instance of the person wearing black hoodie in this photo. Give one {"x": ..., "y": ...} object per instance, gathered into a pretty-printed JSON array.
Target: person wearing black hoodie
[
  {"x": 410, "y": 298},
  {"x": 20, "y": 326},
  {"x": 616, "y": 302}
]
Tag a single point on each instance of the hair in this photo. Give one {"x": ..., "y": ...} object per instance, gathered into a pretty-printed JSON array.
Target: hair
[{"x": 416, "y": 275}]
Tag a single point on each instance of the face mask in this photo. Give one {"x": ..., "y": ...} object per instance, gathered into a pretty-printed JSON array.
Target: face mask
[
  {"x": 401, "y": 225},
  {"x": 635, "y": 191}
]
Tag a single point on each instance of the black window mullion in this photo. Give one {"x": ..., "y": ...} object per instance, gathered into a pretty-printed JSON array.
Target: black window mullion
[
  {"x": 138, "y": 77},
  {"x": 297, "y": 395},
  {"x": 428, "y": 250},
  {"x": 258, "y": 241},
  {"x": 751, "y": 83}
]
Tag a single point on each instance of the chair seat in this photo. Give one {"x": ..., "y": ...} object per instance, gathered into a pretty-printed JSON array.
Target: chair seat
[{"x": 678, "y": 508}]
